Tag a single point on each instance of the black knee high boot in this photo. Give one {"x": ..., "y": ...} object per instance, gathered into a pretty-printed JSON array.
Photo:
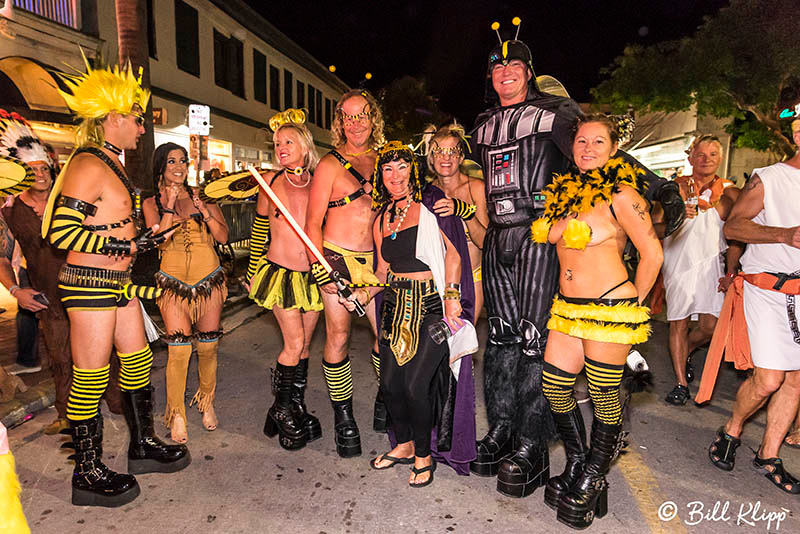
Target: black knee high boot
[
  {"x": 309, "y": 423},
  {"x": 281, "y": 418},
  {"x": 573, "y": 433},
  {"x": 147, "y": 453},
  {"x": 496, "y": 445},
  {"x": 348, "y": 439},
  {"x": 94, "y": 484},
  {"x": 588, "y": 497},
  {"x": 524, "y": 470}
]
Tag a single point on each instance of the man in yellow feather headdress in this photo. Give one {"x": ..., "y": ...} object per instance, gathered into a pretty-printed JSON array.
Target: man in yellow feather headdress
[{"x": 93, "y": 212}]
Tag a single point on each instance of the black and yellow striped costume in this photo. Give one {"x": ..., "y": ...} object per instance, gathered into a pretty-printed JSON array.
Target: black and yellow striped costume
[
  {"x": 610, "y": 320},
  {"x": 91, "y": 288}
]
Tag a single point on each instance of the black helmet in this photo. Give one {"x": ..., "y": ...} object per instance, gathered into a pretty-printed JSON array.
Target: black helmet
[{"x": 502, "y": 54}]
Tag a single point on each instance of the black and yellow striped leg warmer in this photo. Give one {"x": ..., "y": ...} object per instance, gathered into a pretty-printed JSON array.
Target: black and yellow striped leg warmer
[
  {"x": 376, "y": 364},
  {"x": 88, "y": 385},
  {"x": 558, "y": 386},
  {"x": 339, "y": 377},
  {"x": 134, "y": 372},
  {"x": 604, "y": 380}
]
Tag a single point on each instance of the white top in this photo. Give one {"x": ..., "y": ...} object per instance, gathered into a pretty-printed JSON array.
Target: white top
[
  {"x": 698, "y": 241},
  {"x": 781, "y": 209}
]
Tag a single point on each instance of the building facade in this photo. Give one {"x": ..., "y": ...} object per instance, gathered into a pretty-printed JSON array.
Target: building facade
[{"x": 219, "y": 53}]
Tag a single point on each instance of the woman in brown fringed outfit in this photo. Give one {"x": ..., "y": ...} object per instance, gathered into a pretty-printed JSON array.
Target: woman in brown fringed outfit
[{"x": 193, "y": 283}]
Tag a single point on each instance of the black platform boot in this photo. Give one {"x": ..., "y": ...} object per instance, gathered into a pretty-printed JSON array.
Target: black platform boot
[
  {"x": 496, "y": 445},
  {"x": 380, "y": 415},
  {"x": 281, "y": 417},
  {"x": 348, "y": 440},
  {"x": 94, "y": 484},
  {"x": 309, "y": 423},
  {"x": 588, "y": 497},
  {"x": 573, "y": 433},
  {"x": 147, "y": 453},
  {"x": 524, "y": 471}
]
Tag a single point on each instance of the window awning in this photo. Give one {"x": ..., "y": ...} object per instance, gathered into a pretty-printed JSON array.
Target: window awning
[{"x": 36, "y": 85}]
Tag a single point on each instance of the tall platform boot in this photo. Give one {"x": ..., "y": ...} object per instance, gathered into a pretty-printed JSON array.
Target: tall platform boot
[
  {"x": 525, "y": 470},
  {"x": 309, "y": 423},
  {"x": 94, "y": 484},
  {"x": 281, "y": 419},
  {"x": 588, "y": 497},
  {"x": 146, "y": 452},
  {"x": 496, "y": 445},
  {"x": 348, "y": 439},
  {"x": 573, "y": 433}
]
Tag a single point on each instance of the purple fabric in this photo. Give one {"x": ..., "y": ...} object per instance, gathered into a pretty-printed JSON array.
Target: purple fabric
[{"x": 462, "y": 450}]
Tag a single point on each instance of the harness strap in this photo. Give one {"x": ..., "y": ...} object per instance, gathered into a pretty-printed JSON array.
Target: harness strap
[{"x": 357, "y": 175}]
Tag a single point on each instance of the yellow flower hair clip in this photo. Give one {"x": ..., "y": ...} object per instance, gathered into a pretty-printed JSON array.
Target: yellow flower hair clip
[{"x": 290, "y": 116}]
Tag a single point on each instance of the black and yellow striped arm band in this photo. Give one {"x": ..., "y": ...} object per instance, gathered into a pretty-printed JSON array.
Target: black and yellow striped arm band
[
  {"x": 68, "y": 233},
  {"x": 259, "y": 238},
  {"x": 142, "y": 292},
  {"x": 464, "y": 210}
]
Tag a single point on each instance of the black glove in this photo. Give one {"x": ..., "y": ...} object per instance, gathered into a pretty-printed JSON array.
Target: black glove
[
  {"x": 148, "y": 240},
  {"x": 320, "y": 275},
  {"x": 463, "y": 210},
  {"x": 669, "y": 195}
]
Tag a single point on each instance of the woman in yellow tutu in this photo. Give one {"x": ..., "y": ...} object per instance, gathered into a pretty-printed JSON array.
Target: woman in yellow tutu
[
  {"x": 193, "y": 283},
  {"x": 598, "y": 314},
  {"x": 278, "y": 273}
]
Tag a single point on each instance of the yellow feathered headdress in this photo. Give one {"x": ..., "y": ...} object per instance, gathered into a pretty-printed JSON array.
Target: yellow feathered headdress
[{"x": 98, "y": 92}]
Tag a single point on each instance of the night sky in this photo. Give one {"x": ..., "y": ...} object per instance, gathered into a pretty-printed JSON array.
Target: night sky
[{"x": 448, "y": 42}]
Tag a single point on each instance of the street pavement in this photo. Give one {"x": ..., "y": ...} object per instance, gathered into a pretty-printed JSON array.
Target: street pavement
[{"x": 241, "y": 481}]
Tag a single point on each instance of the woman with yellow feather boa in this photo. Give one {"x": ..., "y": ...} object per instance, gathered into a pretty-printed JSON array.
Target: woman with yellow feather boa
[{"x": 598, "y": 313}]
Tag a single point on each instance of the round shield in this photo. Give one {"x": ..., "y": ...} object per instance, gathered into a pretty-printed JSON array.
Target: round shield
[{"x": 15, "y": 176}]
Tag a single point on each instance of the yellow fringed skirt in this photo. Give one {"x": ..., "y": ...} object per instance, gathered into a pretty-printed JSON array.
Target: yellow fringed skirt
[
  {"x": 621, "y": 321},
  {"x": 274, "y": 285}
]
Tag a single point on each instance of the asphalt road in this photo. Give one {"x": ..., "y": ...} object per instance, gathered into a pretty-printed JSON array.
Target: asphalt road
[{"x": 241, "y": 481}]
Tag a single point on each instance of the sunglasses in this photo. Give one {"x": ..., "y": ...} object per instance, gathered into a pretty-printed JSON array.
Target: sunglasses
[{"x": 446, "y": 151}]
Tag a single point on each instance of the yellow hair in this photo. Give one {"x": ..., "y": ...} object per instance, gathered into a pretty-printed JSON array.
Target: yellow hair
[
  {"x": 12, "y": 520},
  {"x": 100, "y": 91}
]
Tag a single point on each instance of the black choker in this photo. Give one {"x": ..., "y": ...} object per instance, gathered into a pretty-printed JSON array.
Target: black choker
[{"x": 108, "y": 146}]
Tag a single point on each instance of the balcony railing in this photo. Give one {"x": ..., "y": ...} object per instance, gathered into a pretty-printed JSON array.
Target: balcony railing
[{"x": 64, "y": 12}]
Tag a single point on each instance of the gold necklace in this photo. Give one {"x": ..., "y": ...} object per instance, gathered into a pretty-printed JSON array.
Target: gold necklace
[{"x": 358, "y": 153}]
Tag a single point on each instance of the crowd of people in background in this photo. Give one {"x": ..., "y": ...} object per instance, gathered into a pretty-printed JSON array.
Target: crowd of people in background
[{"x": 408, "y": 238}]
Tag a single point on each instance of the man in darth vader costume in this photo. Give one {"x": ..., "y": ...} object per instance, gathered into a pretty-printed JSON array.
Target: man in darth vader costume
[{"x": 522, "y": 140}]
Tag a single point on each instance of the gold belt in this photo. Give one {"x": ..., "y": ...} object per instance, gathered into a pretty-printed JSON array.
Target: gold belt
[{"x": 92, "y": 276}]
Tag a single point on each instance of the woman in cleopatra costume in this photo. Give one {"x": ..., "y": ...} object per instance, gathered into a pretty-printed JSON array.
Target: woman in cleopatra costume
[
  {"x": 93, "y": 212},
  {"x": 279, "y": 278},
  {"x": 425, "y": 332},
  {"x": 193, "y": 285},
  {"x": 597, "y": 315}
]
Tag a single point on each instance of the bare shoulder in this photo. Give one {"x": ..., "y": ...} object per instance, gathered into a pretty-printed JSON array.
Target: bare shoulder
[
  {"x": 625, "y": 194},
  {"x": 327, "y": 167},
  {"x": 476, "y": 187},
  {"x": 149, "y": 203},
  {"x": 753, "y": 183},
  {"x": 628, "y": 201}
]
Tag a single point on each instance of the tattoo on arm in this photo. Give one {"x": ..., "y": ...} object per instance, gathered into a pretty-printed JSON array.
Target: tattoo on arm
[
  {"x": 6, "y": 240},
  {"x": 639, "y": 210},
  {"x": 752, "y": 183},
  {"x": 568, "y": 274}
]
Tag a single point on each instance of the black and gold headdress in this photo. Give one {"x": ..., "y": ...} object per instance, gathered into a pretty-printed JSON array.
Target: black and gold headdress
[{"x": 393, "y": 151}]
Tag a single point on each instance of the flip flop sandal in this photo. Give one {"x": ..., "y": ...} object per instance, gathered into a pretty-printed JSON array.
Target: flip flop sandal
[
  {"x": 777, "y": 475},
  {"x": 417, "y": 472},
  {"x": 794, "y": 434},
  {"x": 724, "y": 448},
  {"x": 394, "y": 461}
]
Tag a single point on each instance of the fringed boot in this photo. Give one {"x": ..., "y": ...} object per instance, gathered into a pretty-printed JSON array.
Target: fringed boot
[
  {"x": 281, "y": 418},
  {"x": 146, "y": 452},
  {"x": 573, "y": 433},
  {"x": 588, "y": 497},
  {"x": 207, "y": 353},
  {"x": 309, "y": 422}
]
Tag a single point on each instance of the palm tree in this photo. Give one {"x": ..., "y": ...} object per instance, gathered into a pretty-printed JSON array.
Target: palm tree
[{"x": 133, "y": 46}]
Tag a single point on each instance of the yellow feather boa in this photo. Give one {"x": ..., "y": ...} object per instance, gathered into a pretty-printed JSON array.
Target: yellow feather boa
[
  {"x": 12, "y": 520},
  {"x": 572, "y": 194}
]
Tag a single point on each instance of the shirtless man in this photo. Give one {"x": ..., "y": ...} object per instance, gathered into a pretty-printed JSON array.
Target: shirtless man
[
  {"x": 445, "y": 156},
  {"x": 280, "y": 279},
  {"x": 95, "y": 220},
  {"x": 341, "y": 202}
]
